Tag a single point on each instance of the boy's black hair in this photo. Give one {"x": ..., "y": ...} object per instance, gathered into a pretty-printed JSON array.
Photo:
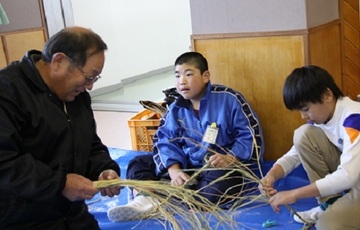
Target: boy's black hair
[
  {"x": 308, "y": 84},
  {"x": 194, "y": 58}
]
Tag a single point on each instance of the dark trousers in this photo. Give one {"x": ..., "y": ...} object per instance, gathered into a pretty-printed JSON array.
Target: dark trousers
[
  {"x": 44, "y": 217},
  {"x": 143, "y": 168}
]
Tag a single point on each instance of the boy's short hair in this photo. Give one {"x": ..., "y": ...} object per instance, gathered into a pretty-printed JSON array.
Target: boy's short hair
[
  {"x": 194, "y": 58},
  {"x": 308, "y": 84}
]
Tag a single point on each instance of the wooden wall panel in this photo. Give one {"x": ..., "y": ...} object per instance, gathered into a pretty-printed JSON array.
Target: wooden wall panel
[
  {"x": 257, "y": 67},
  {"x": 3, "y": 62},
  {"x": 353, "y": 3},
  {"x": 350, "y": 40},
  {"x": 26, "y": 30},
  {"x": 18, "y": 43},
  {"x": 351, "y": 12},
  {"x": 352, "y": 53},
  {"x": 351, "y": 34},
  {"x": 352, "y": 71},
  {"x": 351, "y": 79},
  {"x": 350, "y": 87},
  {"x": 324, "y": 49}
]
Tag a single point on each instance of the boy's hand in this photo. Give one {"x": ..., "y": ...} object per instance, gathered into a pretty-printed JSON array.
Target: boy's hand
[
  {"x": 222, "y": 161},
  {"x": 266, "y": 186},
  {"x": 282, "y": 198},
  {"x": 178, "y": 177}
]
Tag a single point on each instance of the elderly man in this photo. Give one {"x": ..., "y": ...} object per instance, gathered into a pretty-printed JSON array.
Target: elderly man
[{"x": 49, "y": 150}]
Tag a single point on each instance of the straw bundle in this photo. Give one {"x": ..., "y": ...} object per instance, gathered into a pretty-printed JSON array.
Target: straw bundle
[{"x": 184, "y": 208}]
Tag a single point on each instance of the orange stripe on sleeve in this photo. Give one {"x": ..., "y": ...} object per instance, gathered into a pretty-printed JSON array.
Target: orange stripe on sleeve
[{"x": 352, "y": 133}]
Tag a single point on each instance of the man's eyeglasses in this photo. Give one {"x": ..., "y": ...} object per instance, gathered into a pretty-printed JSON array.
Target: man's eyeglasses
[{"x": 89, "y": 79}]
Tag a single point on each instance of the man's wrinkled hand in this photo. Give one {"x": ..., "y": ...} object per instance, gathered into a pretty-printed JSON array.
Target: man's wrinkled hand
[
  {"x": 78, "y": 188},
  {"x": 111, "y": 191}
]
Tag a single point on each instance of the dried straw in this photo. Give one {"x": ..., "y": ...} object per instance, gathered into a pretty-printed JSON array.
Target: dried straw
[
  {"x": 180, "y": 206},
  {"x": 185, "y": 208}
]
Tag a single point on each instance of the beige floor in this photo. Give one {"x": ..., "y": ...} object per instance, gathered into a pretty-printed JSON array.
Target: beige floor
[{"x": 112, "y": 128}]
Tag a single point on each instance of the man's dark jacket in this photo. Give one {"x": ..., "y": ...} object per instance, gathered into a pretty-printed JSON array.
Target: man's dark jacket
[{"x": 39, "y": 144}]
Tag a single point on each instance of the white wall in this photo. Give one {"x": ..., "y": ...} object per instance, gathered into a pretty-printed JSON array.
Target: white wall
[
  {"x": 141, "y": 35},
  {"x": 234, "y": 16}
]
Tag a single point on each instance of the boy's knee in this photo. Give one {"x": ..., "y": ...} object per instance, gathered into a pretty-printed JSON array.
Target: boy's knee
[
  {"x": 338, "y": 218},
  {"x": 305, "y": 132},
  {"x": 324, "y": 223}
]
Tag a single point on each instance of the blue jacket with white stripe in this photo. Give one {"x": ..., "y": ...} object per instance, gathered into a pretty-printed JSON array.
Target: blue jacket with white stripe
[{"x": 179, "y": 138}]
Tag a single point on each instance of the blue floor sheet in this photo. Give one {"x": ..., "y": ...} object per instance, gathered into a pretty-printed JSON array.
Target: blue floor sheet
[{"x": 248, "y": 217}]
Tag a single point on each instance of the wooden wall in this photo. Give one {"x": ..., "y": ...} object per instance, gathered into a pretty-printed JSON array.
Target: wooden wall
[
  {"x": 256, "y": 64},
  {"x": 325, "y": 50},
  {"x": 26, "y": 30},
  {"x": 3, "y": 61},
  {"x": 16, "y": 44},
  {"x": 350, "y": 39}
]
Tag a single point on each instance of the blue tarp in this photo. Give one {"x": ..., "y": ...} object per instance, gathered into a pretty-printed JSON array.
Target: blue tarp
[{"x": 249, "y": 217}]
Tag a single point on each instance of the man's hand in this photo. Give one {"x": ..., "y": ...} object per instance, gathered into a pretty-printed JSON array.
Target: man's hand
[
  {"x": 78, "y": 188},
  {"x": 109, "y": 175}
]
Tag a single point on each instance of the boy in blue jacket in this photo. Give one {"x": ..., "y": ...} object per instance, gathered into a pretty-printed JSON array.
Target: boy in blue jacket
[{"x": 203, "y": 117}]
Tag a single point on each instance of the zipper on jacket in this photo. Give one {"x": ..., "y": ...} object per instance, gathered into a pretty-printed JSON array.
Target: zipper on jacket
[{"x": 65, "y": 109}]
